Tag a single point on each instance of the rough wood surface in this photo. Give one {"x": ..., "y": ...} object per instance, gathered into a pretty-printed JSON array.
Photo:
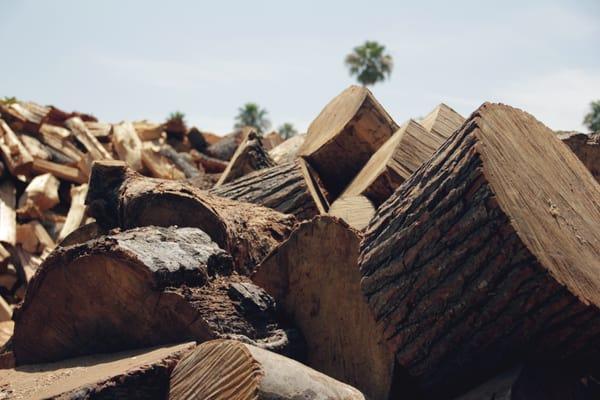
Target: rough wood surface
[
  {"x": 147, "y": 130},
  {"x": 180, "y": 160},
  {"x": 227, "y": 145},
  {"x": 134, "y": 374},
  {"x": 230, "y": 370},
  {"x": 357, "y": 211},
  {"x": 443, "y": 121},
  {"x": 314, "y": 277},
  {"x": 35, "y": 147},
  {"x": 210, "y": 164},
  {"x": 41, "y": 192},
  {"x": 16, "y": 157},
  {"x": 345, "y": 135},
  {"x": 76, "y": 213},
  {"x": 197, "y": 139},
  {"x": 158, "y": 165},
  {"x": 117, "y": 196},
  {"x": 127, "y": 144},
  {"x": 490, "y": 253},
  {"x": 288, "y": 150},
  {"x": 141, "y": 287},
  {"x": 100, "y": 130},
  {"x": 586, "y": 148},
  {"x": 34, "y": 238}
]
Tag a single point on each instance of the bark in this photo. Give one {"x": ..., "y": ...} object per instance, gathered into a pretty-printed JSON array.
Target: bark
[
  {"x": 197, "y": 139},
  {"x": 119, "y": 197},
  {"x": 314, "y": 277},
  {"x": 83, "y": 234},
  {"x": 229, "y": 370},
  {"x": 487, "y": 255},
  {"x": 211, "y": 165},
  {"x": 142, "y": 287},
  {"x": 586, "y": 148}
]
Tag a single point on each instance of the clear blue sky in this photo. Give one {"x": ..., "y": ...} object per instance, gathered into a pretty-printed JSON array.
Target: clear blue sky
[{"x": 143, "y": 59}]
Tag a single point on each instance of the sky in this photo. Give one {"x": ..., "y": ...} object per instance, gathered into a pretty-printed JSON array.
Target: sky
[{"x": 143, "y": 59}]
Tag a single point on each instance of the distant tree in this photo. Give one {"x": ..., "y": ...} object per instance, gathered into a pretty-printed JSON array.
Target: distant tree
[
  {"x": 287, "y": 130},
  {"x": 251, "y": 114},
  {"x": 8, "y": 100},
  {"x": 592, "y": 119},
  {"x": 369, "y": 63},
  {"x": 176, "y": 123}
]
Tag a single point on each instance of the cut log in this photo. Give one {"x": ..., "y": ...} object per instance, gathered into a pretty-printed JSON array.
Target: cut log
[
  {"x": 393, "y": 163},
  {"x": 488, "y": 254},
  {"x": 6, "y": 332},
  {"x": 42, "y": 192},
  {"x": 148, "y": 131},
  {"x": 180, "y": 160},
  {"x": 128, "y": 145},
  {"x": 142, "y": 287},
  {"x": 134, "y": 374},
  {"x": 8, "y": 214},
  {"x": 76, "y": 214},
  {"x": 197, "y": 139},
  {"x": 158, "y": 165},
  {"x": 117, "y": 196},
  {"x": 34, "y": 238},
  {"x": 24, "y": 116},
  {"x": 345, "y": 135},
  {"x": 100, "y": 130},
  {"x": 56, "y": 142},
  {"x": 586, "y": 148},
  {"x": 250, "y": 156},
  {"x": 16, "y": 157},
  {"x": 443, "y": 121},
  {"x": 288, "y": 150},
  {"x": 230, "y": 370},
  {"x": 60, "y": 171},
  {"x": 287, "y": 188},
  {"x": 85, "y": 137},
  {"x": 210, "y": 164},
  {"x": 57, "y": 132},
  {"x": 5, "y": 310},
  {"x": 227, "y": 145},
  {"x": 83, "y": 234},
  {"x": 4, "y": 257},
  {"x": 356, "y": 211},
  {"x": 314, "y": 277}
]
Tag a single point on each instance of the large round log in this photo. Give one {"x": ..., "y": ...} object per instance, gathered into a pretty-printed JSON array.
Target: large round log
[
  {"x": 119, "y": 197},
  {"x": 142, "y": 287},
  {"x": 230, "y": 370},
  {"x": 488, "y": 254}
]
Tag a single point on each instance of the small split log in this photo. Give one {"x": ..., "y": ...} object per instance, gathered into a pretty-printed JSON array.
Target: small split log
[
  {"x": 227, "y": 145},
  {"x": 271, "y": 140},
  {"x": 15, "y": 155},
  {"x": 356, "y": 210},
  {"x": 158, "y": 165},
  {"x": 4, "y": 257},
  {"x": 34, "y": 238},
  {"x": 314, "y": 277},
  {"x": 345, "y": 135},
  {"x": 148, "y": 131},
  {"x": 100, "y": 130},
  {"x": 586, "y": 148},
  {"x": 76, "y": 214},
  {"x": 24, "y": 116},
  {"x": 443, "y": 121},
  {"x": 5, "y": 310},
  {"x": 288, "y": 150},
  {"x": 58, "y": 170},
  {"x": 8, "y": 213},
  {"x": 35, "y": 147},
  {"x": 127, "y": 144},
  {"x": 41, "y": 193},
  {"x": 230, "y": 370},
  {"x": 85, "y": 137},
  {"x": 489, "y": 254},
  {"x": 180, "y": 160},
  {"x": 57, "y": 132}
]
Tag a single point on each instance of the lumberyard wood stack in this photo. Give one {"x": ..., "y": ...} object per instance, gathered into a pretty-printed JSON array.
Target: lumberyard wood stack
[{"x": 440, "y": 258}]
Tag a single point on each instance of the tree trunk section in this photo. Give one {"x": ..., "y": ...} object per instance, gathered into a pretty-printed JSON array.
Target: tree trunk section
[
  {"x": 586, "y": 148},
  {"x": 288, "y": 150},
  {"x": 226, "y": 147}
]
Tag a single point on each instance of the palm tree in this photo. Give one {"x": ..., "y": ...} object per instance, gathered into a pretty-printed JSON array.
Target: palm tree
[
  {"x": 287, "y": 130},
  {"x": 592, "y": 119},
  {"x": 369, "y": 63},
  {"x": 250, "y": 114}
]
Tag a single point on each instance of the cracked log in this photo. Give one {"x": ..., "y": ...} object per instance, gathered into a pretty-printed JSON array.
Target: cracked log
[
  {"x": 488, "y": 254},
  {"x": 119, "y": 197},
  {"x": 586, "y": 148},
  {"x": 230, "y": 370},
  {"x": 314, "y": 277}
]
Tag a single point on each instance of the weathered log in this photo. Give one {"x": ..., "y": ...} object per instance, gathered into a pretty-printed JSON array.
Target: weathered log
[
  {"x": 250, "y": 156},
  {"x": 230, "y": 370},
  {"x": 487, "y": 255},
  {"x": 8, "y": 213},
  {"x": 134, "y": 374},
  {"x": 142, "y": 287},
  {"x": 288, "y": 150},
  {"x": 16, "y": 156},
  {"x": 76, "y": 213},
  {"x": 443, "y": 121},
  {"x": 128, "y": 144},
  {"x": 357, "y": 211},
  {"x": 586, "y": 148},
  {"x": 117, "y": 196},
  {"x": 226, "y": 146},
  {"x": 287, "y": 188},
  {"x": 345, "y": 135},
  {"x": 314, "y": 277}
]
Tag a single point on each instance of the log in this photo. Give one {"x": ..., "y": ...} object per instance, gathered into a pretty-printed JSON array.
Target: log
[
  {"x": 345, "y": 135},
  {"x": 53, "y": 131},
  {"x": 230, "y": 370},
  {"x": 127, "y": 144},
  {"x": 6, "y": 331},
  {"x": 356, "y": 211},
  {"x": 271, "y": 140},
  {"x": 586, "y": 148},
  {"x": 58, "y": 170},
  {"x": 180, "y": 160},
  {"x": 158, "y": 165},
  {"x": 82, "y": 234},
  {"x": 314, "y": 277},
  {"x": 34, "y": 238},
  {"x": 197, "y": 139},
  {"x": 35, "y": 147},
  {"x": 224, "y": 148},
  {"x": 135, "y": 374},
  {"x": 393, "y": 163},
  {"x": 443, "y": 121},
  {"x": 118, "y": 197},
  {"x": 250, "y": 156},
  {"x": 211, "y": 165},
  {"x": 24, "y": 116},
  {"x": 148, "y": 131},
  {"x": 14, "y": 154},
  {"x": 288, "y": 150},
  {"x": 487, "y": 255},
  {"x": 55, "y": 140},
  {"x": 287, "y": 188},
  {"x": 41, "y": 193},
  {"x": 5, "y": 310},
  {"x": 4, "y": 257},
  {"x": 100, "y": 130},
  {"x": 76, "y": 214},
  {"x": 8, "y": 214},
  {"x": 142, "y": 287},
  {"x": 85, "y": 137}
]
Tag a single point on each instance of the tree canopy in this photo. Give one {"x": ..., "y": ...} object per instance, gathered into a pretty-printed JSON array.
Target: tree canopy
[
  {"x": 369, "y": 63},
  {"x": 287, "y": 130},
  {"x": 251, "y": 114},
  {"x": 592, "y": 119}
]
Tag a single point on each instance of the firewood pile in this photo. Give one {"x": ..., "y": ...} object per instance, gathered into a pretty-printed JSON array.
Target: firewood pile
[{"x": 442, "y": 258}]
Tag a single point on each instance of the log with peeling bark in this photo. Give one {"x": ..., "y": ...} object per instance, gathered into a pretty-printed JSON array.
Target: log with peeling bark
[
  {"x": 442, "y": 121},
  {"x": 15, "y": 155},
  {"x": 141, "y": 287},
  {"x": 314, "y": 277},
  {"x": 8, "y": 213},
  {"x": 227, "y": 145},
  {"x": 85, "y": 137},
  {"x": 487, "y": 255},
  {"x": 288, "y": 188},
  {"x": 345, "y": 135},
  {"x": 230, "y": 370},
  {"x": 586, "y": 148},
  {"x": 127, "y": 144},
  {"x": 250, "y": 156},
  {"x": 118, "y": 197},
  {"x": 288, "y": 150},
  {"x": 134, "y": 374},
  {"x": 76, "y": 214}
]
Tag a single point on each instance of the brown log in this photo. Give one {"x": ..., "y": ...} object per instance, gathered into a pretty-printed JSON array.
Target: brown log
[
  {"x": 287, "y": 188},
  {"x": 158, "y": 165},
  {"x": 85, "y": 137},
  {"x": 35, "y": 147},
  {"x": 15, "y": 155},
  {"x": 60, "y": 171},
  {"x": 288, "y": 150},
  {"x": 314, "y": 277},
  {"x": 345, "y": 135},
  {"x": 180, "y": 160},
  {"x": 127, "y": 144},
  {"x": 357, "y": 211},
  {"x": 250, "y": 156},
  {"x": 271, "y": 140},
  {"x": 227, "y": 145},
  {"x": 487, "y": 255},
  {"x": 442, "y": 122},
  {"x": 586, "y": 148},
  {"x": 230, "y": 370},
  {"x": 24, "y": 116},
  {"x": 197, "y": 139},
  {"x": 134, "y": 374},
  {"x": 5, "y": 310},
  {"x": 83, "y": 234},
  {"x": 148, "y": 131},
  {"x": 6, "y": 332},
  {"x": 117, "y": 196},
  {"x": 4, "y": 257},
  {"x": 142, "y": 287},
  {"x": 210, "y": 164},
  {"x": 76, "y": 214}
]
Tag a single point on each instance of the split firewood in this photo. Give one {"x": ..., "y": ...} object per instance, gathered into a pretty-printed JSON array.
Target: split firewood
[
  {"x": 5, "y": 310},
  {"x": 127, "y": 144},
  {"x": 119, "y": 197},
  {"x": 490, "y": 251},
  {"x": 586, "y": 148},
  {"x": 8, "y": 213},
  {"x": 76, "y": 214},
  {"x": 34, "y": 238},
  {"x": 4, "y": 257},
  {"x": 250, "y": 156},
  {"x": 142, "y": 287},
  {"x": 15, "y": 155},
  {"x": 148, "y": 131},
  {"x": 57, "y": 142},
  {"x": 6, "y": 332},
  {"x": 100, "y": 130},
  {"x": 443, "y": 121},
  {"x": 158, "y": 165},
  {"x": 53, "y": 131},
  {"x": 41, "y": 193},
  {"x": 210, "y": 164},
  {"x": 355, "y": 210},
  {"x": 133, "y": 374},
  {"x": 345, "y": 135},
  {"x": 288, "y": 150},
  {"x": 287, "y": 188},
  {"x": 58, "y": 170},
  {"x": 24, "y": 116},
  {"x": 314, "y": 277},
  {"x": 180, "y": 160},
  {"x": 230, "y": 370},
  {"x": 59, "y": 117},
  {"x": 85, "y": 137},
  {"x": 35, "y": 147},
  {"x": 227, "y": 145},
  {"x": 197, "y": 139}
]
